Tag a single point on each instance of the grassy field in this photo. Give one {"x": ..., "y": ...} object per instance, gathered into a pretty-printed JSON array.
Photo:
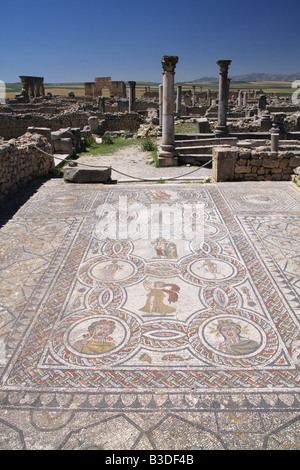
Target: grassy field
[{"x": 62, "y": 89}]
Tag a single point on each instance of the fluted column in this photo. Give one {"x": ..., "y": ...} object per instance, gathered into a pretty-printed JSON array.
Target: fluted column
[
  {"x": 167, "y": 155},
  {"x": 222, "y": 129}
]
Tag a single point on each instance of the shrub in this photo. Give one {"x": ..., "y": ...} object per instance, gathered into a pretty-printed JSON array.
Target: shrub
[
  {"x": 148, "y": 145},
  {"x": 107, "y": 139}
]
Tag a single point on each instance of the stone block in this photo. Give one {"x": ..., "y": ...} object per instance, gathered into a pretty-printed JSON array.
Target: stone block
[
  {"x": 93, "y": 123},
  {"x": 268, "y": 163},
  {"x": 86, "y": 175},
  {"x": 284, "y": 163},
  {"x": 66, "y": 146},
  {"x": 224, "y": 160},
  {"x": 242, "y": 169},
  {"x": 256, "y": 162},
  {"x": 294, "y": 162},
  {"x": 203, "y": 126}
]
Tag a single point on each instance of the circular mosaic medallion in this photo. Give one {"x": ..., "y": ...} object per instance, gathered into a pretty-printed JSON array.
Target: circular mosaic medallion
[
  {"x": 102, "y": 270},
  {"x": 235, "y": 338},
  {"x": 212, "y": 270},
  {"x": 90, "y": 338}
]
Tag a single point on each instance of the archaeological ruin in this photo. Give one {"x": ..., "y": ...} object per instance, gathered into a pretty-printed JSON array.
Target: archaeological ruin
[{"x": 244, "y": 135}]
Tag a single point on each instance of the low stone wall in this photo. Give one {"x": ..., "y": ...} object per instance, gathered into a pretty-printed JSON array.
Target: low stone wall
[
  {"x": 20, "y": 162},
  {"x": 118, "y": 122},
  {"x": 15, "y": 125},
  {"x": 232, "y": 164},
  {"x": 265, "y": 165}
]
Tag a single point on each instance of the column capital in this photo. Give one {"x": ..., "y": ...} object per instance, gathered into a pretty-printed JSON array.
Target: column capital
[
  {"x": 169, "y": 62},
  {"x": 223, "y": 64},
  {"x": 132, "y": 84}
]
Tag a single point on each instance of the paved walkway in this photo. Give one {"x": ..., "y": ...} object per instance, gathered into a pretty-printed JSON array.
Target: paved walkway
[{"x": 153, "y": 316}]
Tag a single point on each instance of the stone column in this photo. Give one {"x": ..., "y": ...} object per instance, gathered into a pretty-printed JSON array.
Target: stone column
[
  {"x": 160, "y": 106},
  {"x": 262, "y": 102},
  {"x": 240, "y": 98},
  {"x": 101, "y": 104},
  {"x": 275, "y": 138},
  {"x": 208, "y": 97},
  {"x": 178, "y": 101},
  {"x": 194, "y": 95},
  {"x": 222, "y": 129},
  {"x": 167, "y": 155},
  {"x": 132, "y": 96}
]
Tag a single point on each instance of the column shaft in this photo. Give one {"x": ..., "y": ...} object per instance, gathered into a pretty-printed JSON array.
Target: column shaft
[{"x": 222, "y": 129}]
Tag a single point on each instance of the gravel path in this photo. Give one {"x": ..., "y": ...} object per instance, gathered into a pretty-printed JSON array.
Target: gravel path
[{"x": 136, "y": 163}]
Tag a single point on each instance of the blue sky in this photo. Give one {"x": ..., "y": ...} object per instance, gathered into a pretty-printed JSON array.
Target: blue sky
[{"x": 76, "y": 41}]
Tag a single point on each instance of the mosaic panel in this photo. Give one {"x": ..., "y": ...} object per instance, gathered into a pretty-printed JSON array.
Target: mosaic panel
[{"x": 137, "y": 316}]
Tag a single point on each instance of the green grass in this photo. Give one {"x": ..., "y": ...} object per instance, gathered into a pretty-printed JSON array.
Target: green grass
[
  {"x": 186, "y": 128},
  {"x": 109, "y": 149}
]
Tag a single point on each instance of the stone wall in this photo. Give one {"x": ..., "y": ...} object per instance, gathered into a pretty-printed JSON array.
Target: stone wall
[
  {"x": 15, "y": 125},
  {"x": 119, "y": 121},
  {"x": 233, "y": 163},
  {"x": 265, "y": 165},
  {"x": 116, "y": 88},
  {"x": 20, "y": 162}
]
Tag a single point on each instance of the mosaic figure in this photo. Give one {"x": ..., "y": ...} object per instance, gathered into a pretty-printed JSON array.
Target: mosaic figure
[
  {"x": 156, "y": 295},
  {"x": 211, "y": 267},
  {"x": 233, "y": 342},
  {"x": 97, "y": 339},
  {"x": 109, "y": 271},
  {"x": 165, "y": 249}
]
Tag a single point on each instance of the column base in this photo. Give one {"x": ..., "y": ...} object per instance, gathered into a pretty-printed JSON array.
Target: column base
[
  {"x": 167, "y": 156},
  {"x": 221, "y": 131}
]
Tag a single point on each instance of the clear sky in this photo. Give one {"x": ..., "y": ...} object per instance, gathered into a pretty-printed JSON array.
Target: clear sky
[{"x": 76, "y": 41}]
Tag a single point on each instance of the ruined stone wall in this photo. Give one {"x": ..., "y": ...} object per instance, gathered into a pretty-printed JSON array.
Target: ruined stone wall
[
  {"x": 265, "y": 166},
  {"x": 15, "y": 125},
  {"x": 119, "y": 121},
  {"x": 233, "y": 163},
  {"x": 89, "y": 88},
  {"x": 20, "y": 162}
]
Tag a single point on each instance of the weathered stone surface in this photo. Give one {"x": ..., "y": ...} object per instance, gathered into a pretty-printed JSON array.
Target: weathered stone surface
[
  {"x": 21, "y": 161},
  {"x": 223, "y": 163},
  {"x": 86, "y": 175},
  {"x": 268, "y": 163}
]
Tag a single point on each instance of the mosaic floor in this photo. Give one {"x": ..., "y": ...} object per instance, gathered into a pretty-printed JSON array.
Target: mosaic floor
[{"x": 171, "y": 312}]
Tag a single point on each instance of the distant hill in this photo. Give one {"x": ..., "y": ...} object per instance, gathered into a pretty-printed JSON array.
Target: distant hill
[{"x": 256, "y": 77}]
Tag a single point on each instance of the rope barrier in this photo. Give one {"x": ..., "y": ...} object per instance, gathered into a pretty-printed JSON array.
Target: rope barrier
[{"x": 124, "y": 174}]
